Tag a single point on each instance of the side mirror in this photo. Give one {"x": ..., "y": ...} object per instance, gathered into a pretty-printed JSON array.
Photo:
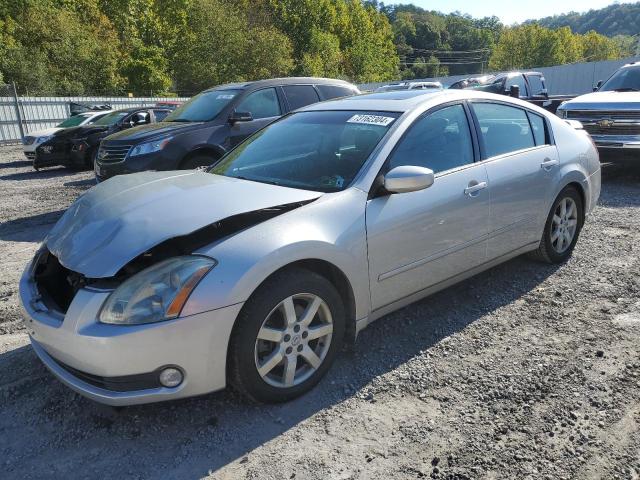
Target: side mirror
[
  {"x": 236, "y": 117},
  {"x": 514, "y": 91},
  {"x": 598, "y": 85},
  {"x": 408, "y": 178}
]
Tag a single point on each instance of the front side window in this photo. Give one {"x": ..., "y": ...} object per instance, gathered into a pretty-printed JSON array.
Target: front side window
[
  {"x": 440, "y": 141},
  {"x": 520, "y": 82},
  {"x": 203, "y": 107},
  {"x": 261, "y": 104},
  {"x": 503, "y": 128},
  {"x": 299, "y": 96},
  {"x": 624, "y": 80},
  {"x": 321, "y": 150}
]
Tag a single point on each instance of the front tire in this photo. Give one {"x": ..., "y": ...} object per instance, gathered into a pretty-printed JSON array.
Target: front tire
[
  {"x": 286, "y": 336},
  {"x": 196, "y": 161},
  {"x": 562, "y": 228}
]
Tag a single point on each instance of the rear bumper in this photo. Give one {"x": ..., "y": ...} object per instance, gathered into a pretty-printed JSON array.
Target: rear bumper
[{"x": 117, "y": 365}]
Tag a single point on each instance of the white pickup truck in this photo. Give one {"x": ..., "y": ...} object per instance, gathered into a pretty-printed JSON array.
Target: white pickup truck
[{"x": 611, "y": 114}]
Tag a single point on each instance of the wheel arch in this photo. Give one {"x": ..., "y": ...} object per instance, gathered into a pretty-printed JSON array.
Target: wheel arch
[
  {"x": 336, "y": 277},
  {"x": 216, "y": 151}
]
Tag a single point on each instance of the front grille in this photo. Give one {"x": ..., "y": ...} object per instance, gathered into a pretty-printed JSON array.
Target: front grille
[
  {"x": 614, "y": 129},
  {"x": 30, "y": 155},
  {"x": 600, "y": 114},
  {"x": 56, "y": 284},
  {"x": 113, "y": 153}
]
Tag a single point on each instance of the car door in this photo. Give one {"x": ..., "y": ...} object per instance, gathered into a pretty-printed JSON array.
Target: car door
[
  {"x": 264, "y": 107},
  {"x": 422, "y": 238},
  {"x": 520, "y": 162}
]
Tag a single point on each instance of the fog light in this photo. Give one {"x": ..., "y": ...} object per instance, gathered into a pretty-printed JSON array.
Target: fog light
[{"x": 170, "y": 377}]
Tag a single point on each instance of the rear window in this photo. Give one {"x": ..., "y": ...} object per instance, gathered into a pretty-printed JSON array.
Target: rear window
[
  {"x": 300, "y": 96},
  {"x": 334, "y": 91},
  {"x": 504, "y": 129}
]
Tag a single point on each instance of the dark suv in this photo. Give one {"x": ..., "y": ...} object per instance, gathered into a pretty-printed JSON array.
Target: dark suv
[
  {"x": 210, "y": 124},
  {"x": 78, "y": 146}
]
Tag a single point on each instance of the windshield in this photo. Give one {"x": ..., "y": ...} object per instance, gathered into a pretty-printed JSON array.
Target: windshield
[
  {"x": 111, "y": 118},
  {"x": 203, "y": 107},
  {"x": 320, "y": 151},
  {"x": 624, "y": 80},
  {"x": 73, "y": 121}
]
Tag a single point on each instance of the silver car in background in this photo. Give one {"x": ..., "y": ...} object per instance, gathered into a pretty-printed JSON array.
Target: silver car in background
[{"x": 162, "y": 285}]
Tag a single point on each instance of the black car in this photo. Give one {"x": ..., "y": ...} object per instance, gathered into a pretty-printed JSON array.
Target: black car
[
  {"x": 210, "y": 124},
  {"x": 77, "y": 147}
]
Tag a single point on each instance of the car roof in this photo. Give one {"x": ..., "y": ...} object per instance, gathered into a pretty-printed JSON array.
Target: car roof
[
  {"x": 283, "y": 81},
  {"x": 405, "y": 100}
]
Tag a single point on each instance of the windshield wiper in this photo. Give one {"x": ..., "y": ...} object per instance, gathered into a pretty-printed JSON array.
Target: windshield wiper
[
  {"x": 178, "y": 120},
  {"x": 270, "y": 182},
  {"x": 626, "y": 89}
]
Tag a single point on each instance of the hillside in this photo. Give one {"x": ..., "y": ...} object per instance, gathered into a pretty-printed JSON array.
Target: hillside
[{"x": 617, "y": 19}]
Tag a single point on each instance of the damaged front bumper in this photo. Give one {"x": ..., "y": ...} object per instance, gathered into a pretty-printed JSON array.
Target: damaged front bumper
[{"x": 118, "y": 365}]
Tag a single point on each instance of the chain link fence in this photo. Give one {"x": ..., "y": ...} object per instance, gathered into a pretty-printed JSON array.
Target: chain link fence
[{"x": 22, "y": 115}]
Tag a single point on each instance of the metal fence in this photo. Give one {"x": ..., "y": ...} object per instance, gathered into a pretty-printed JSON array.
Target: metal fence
[
  {"x": 570, "y": 79},
  {"x": 21, "y": 115}
]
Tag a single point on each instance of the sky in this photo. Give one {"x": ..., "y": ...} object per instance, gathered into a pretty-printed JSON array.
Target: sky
[{"x": 509, "y": 11}]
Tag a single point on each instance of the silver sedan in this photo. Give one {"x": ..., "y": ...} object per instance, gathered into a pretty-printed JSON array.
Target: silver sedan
[{"x": 162, "y": 285}]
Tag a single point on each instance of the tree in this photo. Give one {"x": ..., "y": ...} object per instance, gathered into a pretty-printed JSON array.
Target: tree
[
  {"x": 50, "y": 50},
  {"x": 221, "y": 45}
]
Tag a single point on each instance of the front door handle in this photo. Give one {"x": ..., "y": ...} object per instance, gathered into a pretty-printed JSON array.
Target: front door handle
[
  {"x": 474, "y": 187},
  {"x": 548, "y": 164}
]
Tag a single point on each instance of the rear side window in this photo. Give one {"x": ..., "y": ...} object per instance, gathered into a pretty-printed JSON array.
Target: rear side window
[
  {"x": 261, "y": 104},
  {"x": 440, "y": 141},
  {"x": 334, "y": 91},
  {"x": 539, "y": 130},
  {"x": 299, "y": 96},
  {"x": 503, "y": 128},
  {"x": 536, "y": 84}
]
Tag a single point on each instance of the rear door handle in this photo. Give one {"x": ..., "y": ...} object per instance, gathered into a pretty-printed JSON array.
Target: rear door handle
[
  {"x": 474, "y": 187},
  {"x": 548, "y": 164}
]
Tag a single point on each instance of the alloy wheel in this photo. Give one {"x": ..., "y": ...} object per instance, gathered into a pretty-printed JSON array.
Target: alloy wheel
[
  {"x": 564, "y": 225},
  {"x": 293, "y": 340}
]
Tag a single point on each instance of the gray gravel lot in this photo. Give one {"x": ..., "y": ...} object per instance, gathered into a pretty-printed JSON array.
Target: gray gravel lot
[{"x": 526, "y": 371}]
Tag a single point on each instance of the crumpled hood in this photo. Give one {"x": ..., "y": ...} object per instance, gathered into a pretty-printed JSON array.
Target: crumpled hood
[
  {"x": 605, "y": 101},
  {"x": 125, "y": 216}
]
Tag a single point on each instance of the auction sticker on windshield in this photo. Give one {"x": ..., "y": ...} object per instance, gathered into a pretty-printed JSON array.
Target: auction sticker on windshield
[
  {"x": 371, "y": 119},
  {"x": 225, "y": 96}
]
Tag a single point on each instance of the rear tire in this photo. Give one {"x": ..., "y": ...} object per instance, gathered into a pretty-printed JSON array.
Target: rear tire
[
  {"x": 562, "y": 228},
  {"x": 277, "y": 350}
]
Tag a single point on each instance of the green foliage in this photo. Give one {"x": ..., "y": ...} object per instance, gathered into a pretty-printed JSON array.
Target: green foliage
[
  {"x": 433, "y": 44},
  {"x": 531, "y": 45},
  {"x": 51, "y": 50},
  {"x": 616, "y": 19}
]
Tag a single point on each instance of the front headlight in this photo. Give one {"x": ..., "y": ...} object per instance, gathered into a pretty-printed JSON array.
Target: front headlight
[
  {"x": 157, "y": 293},
  {"x": 149, "y": 147},
  {"x": 43, "y": 139},
  {"x": 561, "y": 112}
]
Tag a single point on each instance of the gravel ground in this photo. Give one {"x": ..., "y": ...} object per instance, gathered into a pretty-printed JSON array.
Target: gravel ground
[{"x": 526, "y": 371}]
